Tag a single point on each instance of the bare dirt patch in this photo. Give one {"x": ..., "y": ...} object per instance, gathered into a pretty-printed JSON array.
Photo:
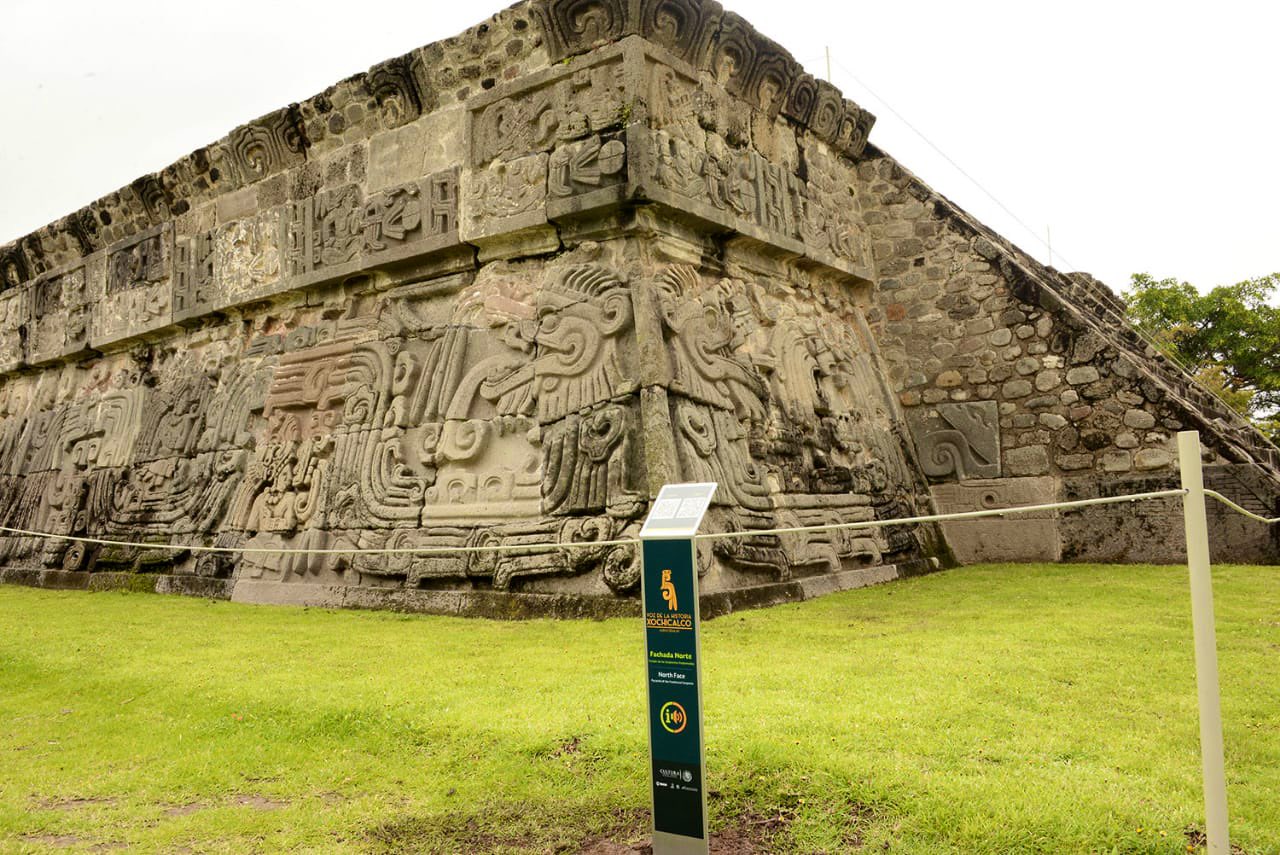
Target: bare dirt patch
[
  {"x": 185, "y": 809},
  {"x": 75, "y": 803},
  {"x": 628, "y": 834},
  {"x": 731, "y": 841},
  {"x": 1199, "y": 840},
  {"x": 503, "y": 831},
  {"x": 69, "y": 841},
  {"x": 58, "y": 841},
  {"x": 260, "y": 802}
]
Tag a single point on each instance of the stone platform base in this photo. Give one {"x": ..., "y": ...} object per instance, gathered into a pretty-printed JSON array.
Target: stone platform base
[
  {"x": 192, "y": 586},
  {"x": 485, "y": 604},
  {"x": 796, "y": 590}
]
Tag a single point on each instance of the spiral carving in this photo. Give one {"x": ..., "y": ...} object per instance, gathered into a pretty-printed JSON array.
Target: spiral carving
[
  {"x": 573, "y": 26},
  {"x": 825, "y": 121},
  {"x": 154, "y": 197},
  {"x": 395, "y": 91},
  {"x": 267, "y": 146},
  {"x": 855, "y": 128},
  {"x": 621, "y": 570},
  {"x": 943, "y": 452},
  {"x": 732, "y": 58},
  {"x": 802, "y": 99},
  {"x": 698, "y": 430},
  {"x": 462, "y": 440},
  {"x": 601, "y": 431},
  {"x": 771, "y": 77},
  {"x": 684, "y": 27}
]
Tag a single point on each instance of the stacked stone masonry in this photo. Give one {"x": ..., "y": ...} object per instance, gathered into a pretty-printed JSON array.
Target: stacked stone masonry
[
  {"x": 501, "y": 289},
  {"x": 1025, "y": 385}
]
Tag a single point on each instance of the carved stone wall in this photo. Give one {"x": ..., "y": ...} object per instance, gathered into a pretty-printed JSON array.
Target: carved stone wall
[
  {"x": 423, "y": 312},
  {"x": 496, "y": 292}
]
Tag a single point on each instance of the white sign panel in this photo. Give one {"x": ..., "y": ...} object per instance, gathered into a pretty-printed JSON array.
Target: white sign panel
[{"x": 678, "y": 510}]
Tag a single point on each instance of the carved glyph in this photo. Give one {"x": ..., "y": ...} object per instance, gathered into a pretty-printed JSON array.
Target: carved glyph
[
  {"x": 60, "y": 307},
  {"x": 568, "y": 105},
  {"x": 138, "y": 288},
  {"x": 586, "y": 166},
  {"x": 504, "y": 191},
  {"x": 14, "y": 317},
  {"x": 246, "y": 255},
  {"x": 959, "y": 440}
]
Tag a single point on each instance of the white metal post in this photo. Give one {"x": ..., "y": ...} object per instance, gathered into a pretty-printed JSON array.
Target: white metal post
[{"x": 1197, "y": 528}]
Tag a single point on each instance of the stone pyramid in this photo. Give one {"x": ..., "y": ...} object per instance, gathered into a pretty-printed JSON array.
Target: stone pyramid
[{"x": 496, "y": 292}]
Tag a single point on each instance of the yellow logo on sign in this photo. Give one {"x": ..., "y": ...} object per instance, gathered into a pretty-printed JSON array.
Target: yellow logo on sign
[
  {"x": 673, "y": 717},
  {"x": 668, "y": 590}
]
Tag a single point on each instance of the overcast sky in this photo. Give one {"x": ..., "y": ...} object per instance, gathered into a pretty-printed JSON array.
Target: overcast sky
[{"x": 1142, "y": 135}]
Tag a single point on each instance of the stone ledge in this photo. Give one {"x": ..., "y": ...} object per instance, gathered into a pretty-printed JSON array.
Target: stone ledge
[
  {"x": 68, "y": 580},
  {"x": 797, "y": 590},
  {"x": 486, "y": 604},
  {"x": 480, "y": 604}
]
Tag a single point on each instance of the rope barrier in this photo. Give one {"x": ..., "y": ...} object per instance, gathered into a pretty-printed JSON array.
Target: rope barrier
[
  {"x": 590, "y": 544},
  {"x": 965, "y": 515},
  {"x": 284, "y": 550},
  {"x": 1240, "y": 510},
  {"x": 629, "y": 541}
]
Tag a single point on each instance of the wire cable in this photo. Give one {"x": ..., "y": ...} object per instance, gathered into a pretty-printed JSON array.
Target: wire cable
[
  {"x": 1147, "y": 335},
  {"x": 950, "y": 160}
]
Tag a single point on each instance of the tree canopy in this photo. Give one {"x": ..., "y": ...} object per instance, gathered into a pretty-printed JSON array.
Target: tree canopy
[{"x": 1229, "y": 337}]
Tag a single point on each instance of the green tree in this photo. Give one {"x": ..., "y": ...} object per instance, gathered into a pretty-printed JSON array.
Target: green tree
[{"x": 1229, "y": 338}]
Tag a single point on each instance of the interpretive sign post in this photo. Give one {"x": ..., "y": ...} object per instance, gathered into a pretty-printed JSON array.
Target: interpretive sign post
[{"x": 669, "y": 592}]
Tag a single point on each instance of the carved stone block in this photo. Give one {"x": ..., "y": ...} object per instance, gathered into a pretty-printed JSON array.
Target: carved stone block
[
  {"x": 750, "y": 66},
  {"x": 98, "y": 432},
  {"x": 424, "y": 147},
  {"x": 684, "y": 27},
  {"x": 338, "y": 232},
  {"x": 1026, "y": 537},
  {"x": 15, "y": 315},
  {"x": 412, "y": 219},
  {"x": 262, "y": 148},
  {"x": 47, "y": 335},
  {"x": 573, "y": 26},
  {"x": 247, "y": 258},
  {"x": 505, "y": 196},
  {"x": 196, "y": 290},
  {"x": 584, "y": 351},
  {"x": 562, "y": 104},
  {"x": 958, "y": 441},
  {"x": 685, "y": 159},
  {"x": 138, "y": 289},
  {"x": 399, "y": 93},
  {"x": 586, "y": 174}
]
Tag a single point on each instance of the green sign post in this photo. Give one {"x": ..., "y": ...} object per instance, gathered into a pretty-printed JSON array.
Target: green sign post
[{"x": 669, "y": 592}]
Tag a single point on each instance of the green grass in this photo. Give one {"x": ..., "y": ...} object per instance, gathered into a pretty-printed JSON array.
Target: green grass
[{"x": 989, "y": 709}]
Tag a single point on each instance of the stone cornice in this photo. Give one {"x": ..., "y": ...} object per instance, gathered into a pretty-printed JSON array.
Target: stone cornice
[{"x": 719, "y": 45}]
